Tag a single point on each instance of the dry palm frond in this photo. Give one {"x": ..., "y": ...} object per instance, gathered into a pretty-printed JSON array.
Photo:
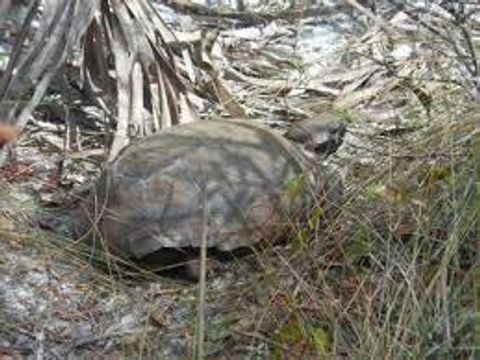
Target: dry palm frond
[
  {"x": 424, "y": 50},
  {"x": 125, "y": 64}
]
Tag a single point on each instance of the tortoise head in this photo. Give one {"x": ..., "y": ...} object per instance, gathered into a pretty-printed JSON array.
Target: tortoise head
[{"x": 321, "y": 136}]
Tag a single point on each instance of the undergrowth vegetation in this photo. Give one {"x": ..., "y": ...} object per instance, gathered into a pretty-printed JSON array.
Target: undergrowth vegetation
[
  {"x": 396, "y": 276},
  {"x": 390, "y": 270}
]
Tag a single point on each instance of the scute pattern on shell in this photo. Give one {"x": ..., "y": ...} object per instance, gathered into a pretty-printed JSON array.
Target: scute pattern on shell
[{"x": 156, "y": 191}]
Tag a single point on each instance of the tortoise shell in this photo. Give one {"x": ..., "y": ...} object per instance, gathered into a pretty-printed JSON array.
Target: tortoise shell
[{"x": 236, "y": 181}]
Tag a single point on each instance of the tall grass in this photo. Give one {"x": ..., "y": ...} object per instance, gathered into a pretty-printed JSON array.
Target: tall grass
[{"x": 396, "y": 277}]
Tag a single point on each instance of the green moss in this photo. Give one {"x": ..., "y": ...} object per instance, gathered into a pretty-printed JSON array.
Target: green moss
[{"x": 296, "y": 338}]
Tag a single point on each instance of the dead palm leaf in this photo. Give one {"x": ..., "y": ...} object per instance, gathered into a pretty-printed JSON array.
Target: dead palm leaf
[{"x": 118, "y": 53}]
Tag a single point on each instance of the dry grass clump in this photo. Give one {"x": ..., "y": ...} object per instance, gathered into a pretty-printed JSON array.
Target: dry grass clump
[{"x": 394, "y": 276}]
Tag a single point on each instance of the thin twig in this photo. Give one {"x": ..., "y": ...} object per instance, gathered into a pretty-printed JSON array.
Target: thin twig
[{"x": 200, "y": 333}]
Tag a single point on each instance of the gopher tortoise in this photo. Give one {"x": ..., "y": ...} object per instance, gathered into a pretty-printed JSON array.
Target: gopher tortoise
[{"x": 237, "y": 181}]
